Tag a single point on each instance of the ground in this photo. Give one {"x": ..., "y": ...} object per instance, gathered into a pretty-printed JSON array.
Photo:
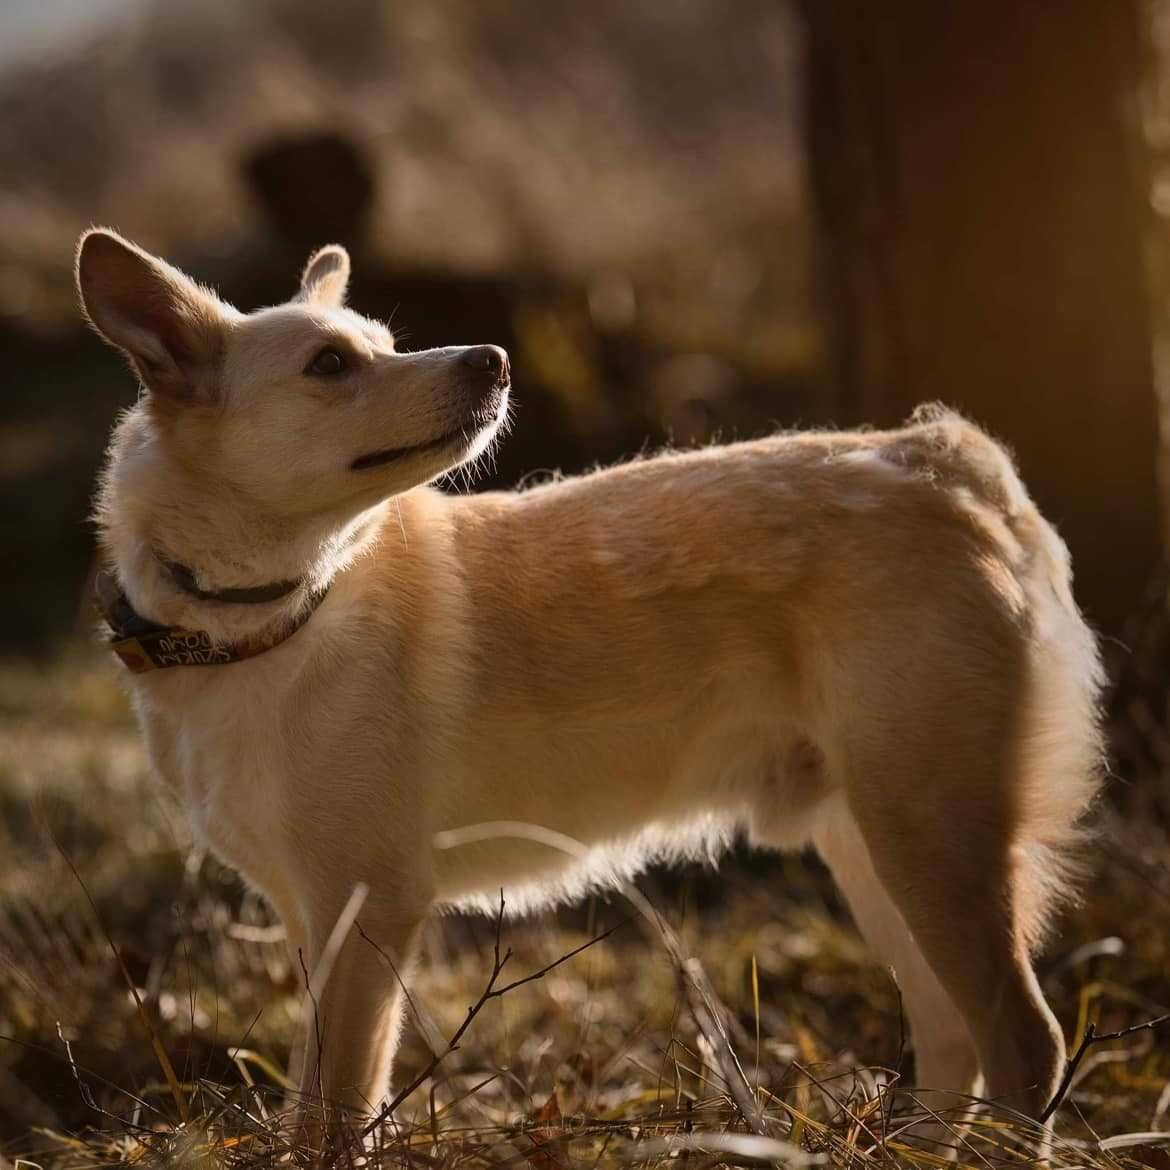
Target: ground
[{"x": 147, "y": 1003}]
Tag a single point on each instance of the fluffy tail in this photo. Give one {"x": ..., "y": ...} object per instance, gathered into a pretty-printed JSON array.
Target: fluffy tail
[{"x": 1063, "y": 757}]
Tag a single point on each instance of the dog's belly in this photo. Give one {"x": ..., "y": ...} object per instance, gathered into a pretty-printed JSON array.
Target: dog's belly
[{"x": 587, "y": 808}]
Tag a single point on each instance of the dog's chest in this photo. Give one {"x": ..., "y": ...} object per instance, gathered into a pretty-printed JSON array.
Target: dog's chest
[{"x": 224, "y": 748}]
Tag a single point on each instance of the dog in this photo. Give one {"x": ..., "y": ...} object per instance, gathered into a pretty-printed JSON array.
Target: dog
[{"x": 860, "y": 641}]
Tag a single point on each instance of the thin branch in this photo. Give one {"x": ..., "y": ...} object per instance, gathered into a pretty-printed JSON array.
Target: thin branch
[
  {"x": 490, "y": 992},
  {"x": 705, "y": 1007},
  {"x": 160, "y": 1052},
  {"x": 1090, "y": 1038},
  {"x": 316, "y": 1023},
  {"x": 424, "y": 1028},
  {"x": 76, "y": 1068},
  {"x": 557, "y": 962}
]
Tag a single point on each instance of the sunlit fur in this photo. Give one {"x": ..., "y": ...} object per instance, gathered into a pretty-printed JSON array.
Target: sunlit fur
[{"x": 860, "y": 641}]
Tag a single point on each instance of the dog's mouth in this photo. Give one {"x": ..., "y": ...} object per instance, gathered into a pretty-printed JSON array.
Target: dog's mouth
[
  {"x": 391, "y": 454},
  {"x": 462, "y": 436}
]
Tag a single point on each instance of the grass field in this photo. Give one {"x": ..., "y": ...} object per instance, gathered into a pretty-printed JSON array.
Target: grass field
[{"x": 613, "y": 1057}]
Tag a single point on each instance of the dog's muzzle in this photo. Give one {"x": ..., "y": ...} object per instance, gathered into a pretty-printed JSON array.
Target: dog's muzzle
[{"x": 484, "y": 374}]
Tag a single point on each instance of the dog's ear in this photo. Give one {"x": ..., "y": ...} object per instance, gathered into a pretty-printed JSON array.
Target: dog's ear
[
  {"x": 325, "y": 277},
  {"x": 171, "y": 329}
]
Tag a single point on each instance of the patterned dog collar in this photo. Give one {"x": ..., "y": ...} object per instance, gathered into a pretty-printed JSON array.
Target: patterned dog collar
[{"x": 143, "y": 645}]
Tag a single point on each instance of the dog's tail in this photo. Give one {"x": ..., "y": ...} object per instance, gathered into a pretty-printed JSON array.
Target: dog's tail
[{"x": 1062, "y": 761}]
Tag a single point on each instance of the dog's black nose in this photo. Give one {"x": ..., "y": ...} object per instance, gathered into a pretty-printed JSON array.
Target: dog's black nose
[{"x": 487, "y": 359}]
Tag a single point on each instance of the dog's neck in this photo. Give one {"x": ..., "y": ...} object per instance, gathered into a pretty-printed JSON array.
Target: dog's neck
[{"x": 223, "y": 565}]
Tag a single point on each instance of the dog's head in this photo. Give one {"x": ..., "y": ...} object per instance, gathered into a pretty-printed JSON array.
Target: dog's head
[{"x": 303, "y": 408}]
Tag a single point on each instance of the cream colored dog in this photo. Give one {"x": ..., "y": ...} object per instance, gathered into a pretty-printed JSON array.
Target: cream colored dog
[{"x": 862, "y": 641}]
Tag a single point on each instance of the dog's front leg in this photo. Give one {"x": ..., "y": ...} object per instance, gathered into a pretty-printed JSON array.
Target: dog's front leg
[{"x": 354, "y": 1018}]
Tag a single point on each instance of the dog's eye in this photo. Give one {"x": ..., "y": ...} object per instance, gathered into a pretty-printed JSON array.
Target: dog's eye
[{"x": 328, "y": 361}]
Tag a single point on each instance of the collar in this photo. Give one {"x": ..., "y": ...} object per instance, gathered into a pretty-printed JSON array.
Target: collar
[
  {"x": 144, "y": 645},
  {"x": 184, "y": 578}
]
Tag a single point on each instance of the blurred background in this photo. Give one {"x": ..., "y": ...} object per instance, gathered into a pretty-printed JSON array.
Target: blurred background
[
  {"x": 686, "y": 220},
  {"x": 682, "y": 224}
]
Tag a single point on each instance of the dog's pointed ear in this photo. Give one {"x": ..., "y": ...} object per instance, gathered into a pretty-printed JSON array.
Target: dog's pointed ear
[
  {"x": 326, "y": 277},
  {"x": 170, "y": 328}
]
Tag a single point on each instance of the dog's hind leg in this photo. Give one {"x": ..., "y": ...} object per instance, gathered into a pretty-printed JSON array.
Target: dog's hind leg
[
  {"x": 965, "y": 756},
  {"x": 944, "y": 1054},
  {"x": 944, "y": 855}
]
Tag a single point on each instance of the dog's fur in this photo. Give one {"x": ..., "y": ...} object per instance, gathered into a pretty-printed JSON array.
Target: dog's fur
[{"x": 861, "y": 641}]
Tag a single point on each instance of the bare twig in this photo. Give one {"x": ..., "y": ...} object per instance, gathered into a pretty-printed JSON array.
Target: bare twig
[
  {"x": 311, "y": 995},
  {"x": 490, "y": 992},
  {"x": 1090, "y": 1038},
  {"x": 425, "y": 1027},
  {"x": 706, "y": 1009},
  {"x": 76, "y": 1069},
  {"x": 160, "y": 1052}
]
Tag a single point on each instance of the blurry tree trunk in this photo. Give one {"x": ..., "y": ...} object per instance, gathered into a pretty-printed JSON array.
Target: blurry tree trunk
[{"x": 979, "y": 175}]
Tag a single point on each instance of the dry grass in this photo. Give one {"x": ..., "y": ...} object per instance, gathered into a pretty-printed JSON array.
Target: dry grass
[{"x": 613, "y": 1056}]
